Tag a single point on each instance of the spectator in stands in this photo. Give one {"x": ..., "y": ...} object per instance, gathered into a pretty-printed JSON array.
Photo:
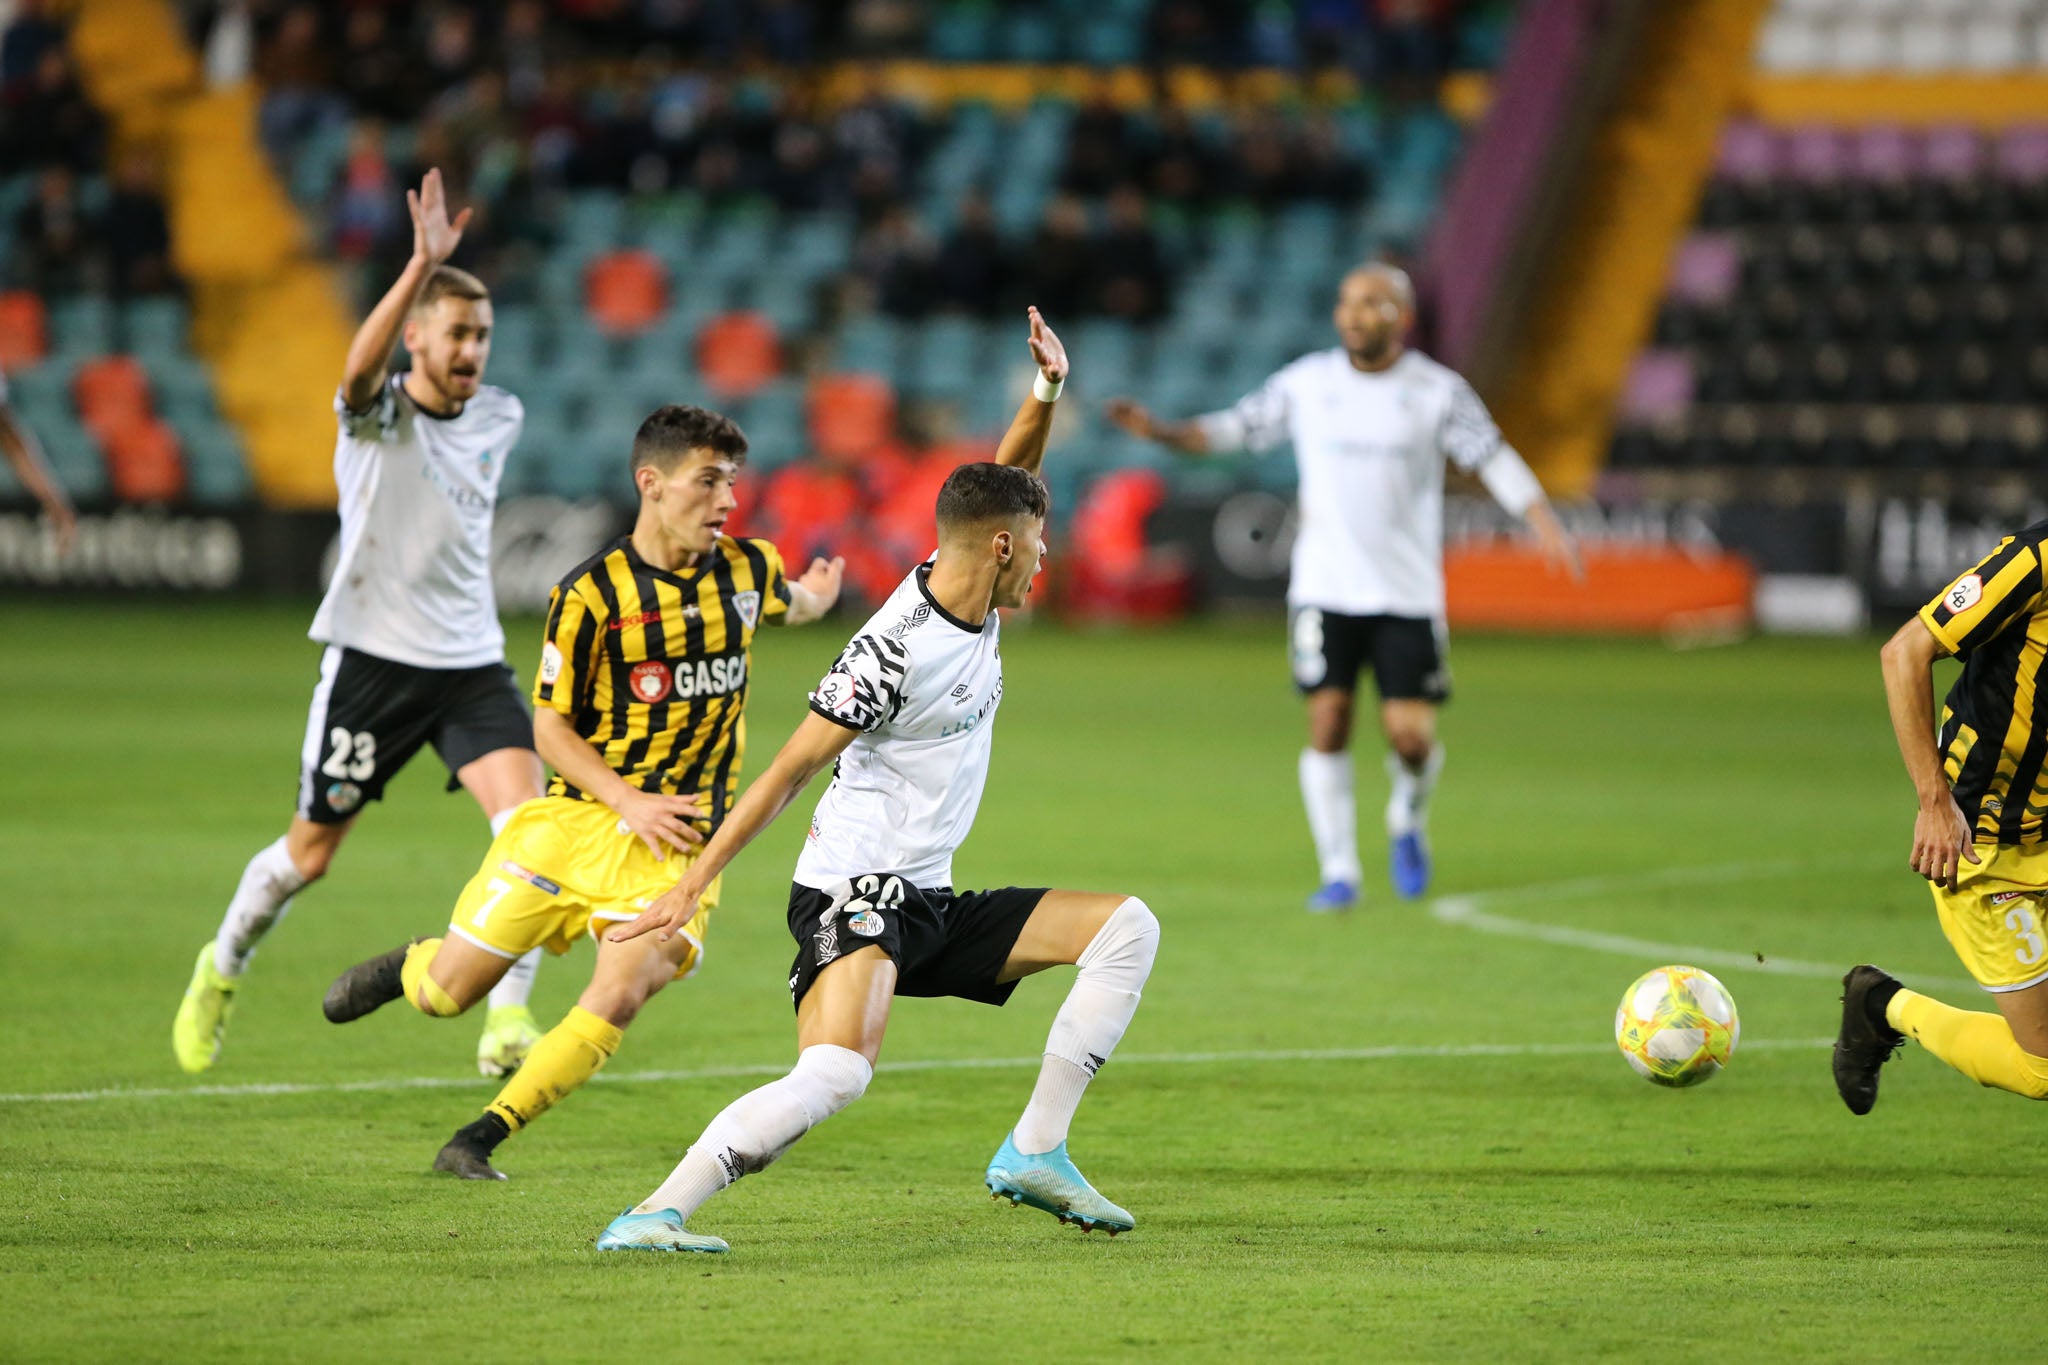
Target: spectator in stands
[
  {"x": 56, "y": 238},
  {"x": 1202, "y": 32},
  {"x": 298, "y": 78},
  {"x": 378, "y": 75},
  {"x": 1323, "y": 168},
  {"x": 1130, "y": 278},
  {"x": 899, "y": 256},
  {"x": 1181, "y": 169},
  {"x": 1263, "y": 167},
  {"x": 972, "y": 273},
  {"x": 1059, "y": 268},
  {"x": 1101, "y": 145},
  {"x": 33, "y": 33},
  {"x": 48, "y": 120},
  {"x": 138, "y": 231}
]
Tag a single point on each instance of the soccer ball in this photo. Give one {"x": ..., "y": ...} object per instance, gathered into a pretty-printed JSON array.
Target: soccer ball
[{"x": 1677, "y": 1026}]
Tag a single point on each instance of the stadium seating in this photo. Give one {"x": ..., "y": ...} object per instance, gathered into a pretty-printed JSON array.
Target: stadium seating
[{"x": 1854, "y": 298}]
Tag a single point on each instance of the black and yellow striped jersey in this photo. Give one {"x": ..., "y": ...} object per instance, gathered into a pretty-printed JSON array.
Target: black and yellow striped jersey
[
  {"x": 1994, "y": 730},
  {"x": 651, "y": 666}
]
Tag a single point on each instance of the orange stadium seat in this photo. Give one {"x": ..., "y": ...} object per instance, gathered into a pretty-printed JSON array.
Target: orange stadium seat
[
  {"x": 111, "y": 388},
  {"x": 144, "y": 462},
  {"x": 850, "y": 415},
  {"x": 1114, "y": 573},
  {"x": 24, "y": 330},
  {"x": 626, "y": 291},
  {"x": 738, "y": 353}
]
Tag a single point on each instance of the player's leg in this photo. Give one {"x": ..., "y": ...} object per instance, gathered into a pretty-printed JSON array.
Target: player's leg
[
  {"x": 841, "y": 1019},
  {"x": 361, "y": 727},
  {"x": 1997, "y": 932},
  {"x": 1114, "y": 940},
  {"x": 485, "y": 736},
  {"x": 626, "y": 977},
  {"x": 1408, "y": 666},
  {"x": 1326, "y": 659}
]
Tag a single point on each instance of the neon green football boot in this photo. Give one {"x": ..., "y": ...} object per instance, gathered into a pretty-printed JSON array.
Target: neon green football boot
[
  {"x": 509, "y": 1034},
  {"x": 203, "y": 1015}
]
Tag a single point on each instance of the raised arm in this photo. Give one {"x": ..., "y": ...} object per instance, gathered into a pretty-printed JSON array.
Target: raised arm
[
  {"x": 1941, "y": 836},
  {"x": 814, "y": 747},
  {"x": 1187, "y": 438},
  {"x": 813, "y": 594},
  {"x": 1024, "y": 443},
  {"x": 434, "y": 240},
  {"x": 25, "y": 457}
]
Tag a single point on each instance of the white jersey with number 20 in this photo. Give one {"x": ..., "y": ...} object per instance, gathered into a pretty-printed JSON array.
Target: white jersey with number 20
[{"x": 922, "y": 687}]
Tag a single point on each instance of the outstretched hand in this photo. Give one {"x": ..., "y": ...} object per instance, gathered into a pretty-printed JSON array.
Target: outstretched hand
[
  {"x": 664, "y": 919},
  {"x": 1047, "y": 349},
  {"x": 1132, "y": 416},
  {"x": 434, "y": 238},
  {"x": 823, "y": 578}
]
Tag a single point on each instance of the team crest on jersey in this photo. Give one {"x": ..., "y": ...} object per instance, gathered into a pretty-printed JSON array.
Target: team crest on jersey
[
  {"x": 650, "y": 680},
  {"x": 748, "y": 605},
  {"x": 867, "y": 924}
]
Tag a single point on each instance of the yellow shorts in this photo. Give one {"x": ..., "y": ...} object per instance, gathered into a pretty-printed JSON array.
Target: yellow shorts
[
  {"x": 1993, "y": 917},
  {"x": 563, "y": 868}
]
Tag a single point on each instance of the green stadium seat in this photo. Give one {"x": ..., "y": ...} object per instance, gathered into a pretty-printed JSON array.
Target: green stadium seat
[
  {"x": 216, "y": 474},
  {"x": 962, "y": 33},
  {"x": 156, "y": 327},
  {"x": 74, "y": 458},
  {"x": 1029, "y": 36},
  {"x": 82, "y": 327}
]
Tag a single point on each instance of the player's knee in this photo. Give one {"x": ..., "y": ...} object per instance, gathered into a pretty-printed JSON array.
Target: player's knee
[
  {"x": 1126, "y": 944},
  {"x": 1410, "y": 743},
  {"x": 433, "y": 1000},
  {"x": 835, "y": 1077},
  {"x": 312, "y": 860}
]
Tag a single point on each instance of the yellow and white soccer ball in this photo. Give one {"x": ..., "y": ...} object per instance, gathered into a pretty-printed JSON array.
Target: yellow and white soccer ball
[{"x": 1677, "y": 1026}]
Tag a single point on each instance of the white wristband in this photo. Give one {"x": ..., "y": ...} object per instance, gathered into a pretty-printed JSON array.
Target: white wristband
[{"x": 1047, "y": 390}]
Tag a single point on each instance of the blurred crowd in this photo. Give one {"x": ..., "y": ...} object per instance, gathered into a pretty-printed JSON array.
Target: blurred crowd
[{"x": 84, "y": 227}]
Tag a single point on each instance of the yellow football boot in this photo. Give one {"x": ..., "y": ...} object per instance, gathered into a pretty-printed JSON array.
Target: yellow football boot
[{"x": 203, "y": 1016}]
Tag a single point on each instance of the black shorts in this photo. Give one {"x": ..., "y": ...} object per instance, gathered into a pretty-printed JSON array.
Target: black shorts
[
  {"x": 1329, "y": 649},
  {"x": 942, "y": 944},
  {"x": 370, "y": 716}
]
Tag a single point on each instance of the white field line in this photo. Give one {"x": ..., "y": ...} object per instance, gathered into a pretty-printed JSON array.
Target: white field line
[
  {"x": 1391, "y": 1052},
  {"x": 1470, "y": 912}
]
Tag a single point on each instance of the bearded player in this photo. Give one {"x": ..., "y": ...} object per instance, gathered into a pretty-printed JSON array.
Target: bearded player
[
  {"x": 1372, "y": 423},
  {"x": 640, "y": 707},
  {"x": 414, "y": 655},
  {"x": 904, "y": 720}
]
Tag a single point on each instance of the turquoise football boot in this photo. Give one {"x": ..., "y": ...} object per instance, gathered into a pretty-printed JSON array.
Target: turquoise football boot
[
  {"x": 1048, "y": 1180},
  {"x": 661, "y": 1230}
]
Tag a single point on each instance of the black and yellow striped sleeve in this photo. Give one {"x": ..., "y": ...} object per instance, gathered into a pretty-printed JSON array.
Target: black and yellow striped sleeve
[
  {"x": 774, "y": 582},
  {"x": 569, "y": 652},
  {"x": 2003, "y": 587}
]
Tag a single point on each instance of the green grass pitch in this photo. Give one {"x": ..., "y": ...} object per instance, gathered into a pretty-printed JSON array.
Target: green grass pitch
[{"x": 1474, "y": 1175}]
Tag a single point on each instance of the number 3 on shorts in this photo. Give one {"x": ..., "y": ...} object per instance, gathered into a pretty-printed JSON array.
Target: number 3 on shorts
[
  {"x": 352, "y": 755},
  {"x": 2027, "y": 929}
]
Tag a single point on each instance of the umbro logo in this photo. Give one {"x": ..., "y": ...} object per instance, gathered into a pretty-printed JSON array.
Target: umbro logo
[{"x": 960, "y": 693}]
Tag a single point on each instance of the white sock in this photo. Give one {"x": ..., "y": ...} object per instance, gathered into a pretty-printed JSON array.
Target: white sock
[
  {"x": 515, "y": 987},
  {"x": 1408, "y": 802},
  {"x": 1091, "y": 1022},
  {"x": 761, "y": 1125},
  {"x": 268, "y": 884},
  {"x": 1332, "y": 813}
]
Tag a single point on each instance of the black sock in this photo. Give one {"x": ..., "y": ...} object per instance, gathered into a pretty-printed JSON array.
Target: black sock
[
  {"x": 1874, "y": 1005},
  {"x": 486, "y": 1133}
]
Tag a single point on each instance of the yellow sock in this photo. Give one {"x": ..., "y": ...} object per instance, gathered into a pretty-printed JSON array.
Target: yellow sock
[
  {"x": 415, "y": 979},
  {"x": 570, "y": 1054},
  {"x": 1979, "y": 1045}
]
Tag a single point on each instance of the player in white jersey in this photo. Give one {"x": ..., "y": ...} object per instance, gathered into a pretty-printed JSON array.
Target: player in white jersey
[
  {"x": 906, "y": 713},
  {"x": 18, "y": 446},
  {"x": 1372, "y": 424},
  {"x": 414, "y": 651}
]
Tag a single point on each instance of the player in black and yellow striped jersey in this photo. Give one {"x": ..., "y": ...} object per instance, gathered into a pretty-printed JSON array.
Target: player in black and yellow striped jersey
[
  {"x": 1981, "y": 837},
  {"x": 639, "y": 705}
]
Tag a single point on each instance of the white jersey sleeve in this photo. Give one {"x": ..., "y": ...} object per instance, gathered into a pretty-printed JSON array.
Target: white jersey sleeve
[
  {"x": 1470, "y": 440},
  {"x": 866, "y": 684},
  {"x": 374, "y": 424},
  {"x": 1260, "y": 421}
]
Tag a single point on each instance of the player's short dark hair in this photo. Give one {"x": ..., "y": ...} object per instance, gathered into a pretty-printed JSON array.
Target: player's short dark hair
[
  {"x": 975, "y": 493},
  {"x": 672, "y": 432},
  {"x": 446, "y": 282}
]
